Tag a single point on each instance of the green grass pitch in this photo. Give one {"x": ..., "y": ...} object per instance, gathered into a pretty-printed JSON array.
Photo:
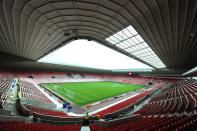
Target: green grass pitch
[{"x": 88, "y": 92}]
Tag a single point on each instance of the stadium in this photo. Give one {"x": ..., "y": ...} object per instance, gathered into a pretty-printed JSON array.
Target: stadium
[{"x": 98, "y": 65}]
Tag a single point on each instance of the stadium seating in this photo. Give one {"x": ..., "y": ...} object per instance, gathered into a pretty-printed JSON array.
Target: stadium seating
[
  {"x": 174, "y": 108},
  {"x": 6, "y": 81},
  {"x": 154, "y": 123},
  {"x": 179, "y": 98},
  {"x": 5, "y": 85},
  {"x": 6, "y": 76},
  {"x": 3, "y": 98},
  {"x": 134, "y": 82},
  {"x": 52, "y": 77},
  {"x": 46, "y": 77},
  {"x": 30, "y": 91},
  {"x": 121, "y": 105},
  {"x": 126, "y": 103},
  {"x": 16, "y": 126},
  {"x": 45, "y": 111}
]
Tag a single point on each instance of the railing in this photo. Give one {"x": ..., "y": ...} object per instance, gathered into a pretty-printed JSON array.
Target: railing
[{"x": 118, "y": 121}]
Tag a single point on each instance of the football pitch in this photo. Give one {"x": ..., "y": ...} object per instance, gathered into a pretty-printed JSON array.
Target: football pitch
[{"x": 88, "y": 92}]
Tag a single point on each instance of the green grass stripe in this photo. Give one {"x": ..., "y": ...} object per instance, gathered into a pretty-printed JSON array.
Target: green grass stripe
[{"x": 88, "y": 92}]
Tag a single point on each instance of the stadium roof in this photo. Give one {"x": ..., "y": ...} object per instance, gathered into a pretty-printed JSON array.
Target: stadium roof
[{"x": 31, "y": 29}]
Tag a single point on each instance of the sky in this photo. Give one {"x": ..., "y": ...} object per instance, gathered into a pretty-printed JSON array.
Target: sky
[{"x": 91, "y": 54}]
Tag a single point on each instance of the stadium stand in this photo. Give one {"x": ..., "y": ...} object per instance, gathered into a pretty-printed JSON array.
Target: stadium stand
[
  {"x": 162, "y": 34},
  {"x": 6, "y": 81},
  {"x": 121, "y": 105},
  {"x": 126, "y": 105},
  {"x": 134, "y": 82},
  {"x": 30, "y": 91},
  {"x": 60, "y": 77},
  {"x": 154, "y": 123},
  {"x": 45, "y": 111},
  {"x": 174, "y": 108},
  {"x": 175, "y": 104},
  {"x": 15, "y": 125},
  {"x": 3, "y": 98},
  {"x": 179, "y": 98}
]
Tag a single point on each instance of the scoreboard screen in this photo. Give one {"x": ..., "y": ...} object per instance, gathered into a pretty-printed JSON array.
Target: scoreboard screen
[{"x": 132, "y": 74}]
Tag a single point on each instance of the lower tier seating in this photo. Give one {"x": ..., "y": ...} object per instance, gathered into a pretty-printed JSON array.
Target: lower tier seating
[
  {"x": 30, "y": 91},
  {"x": 5, "y": 85},
  {"x": 21, "y": 126},
  {"x": 154, "y": 123},
  {"x": 36, "y": 97},
  {"x": 45, "y": 111},
  {"x": 179, "y": 98},
  {"x": 121, "y": 105},
  {"x": 3, "y": 98}
]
